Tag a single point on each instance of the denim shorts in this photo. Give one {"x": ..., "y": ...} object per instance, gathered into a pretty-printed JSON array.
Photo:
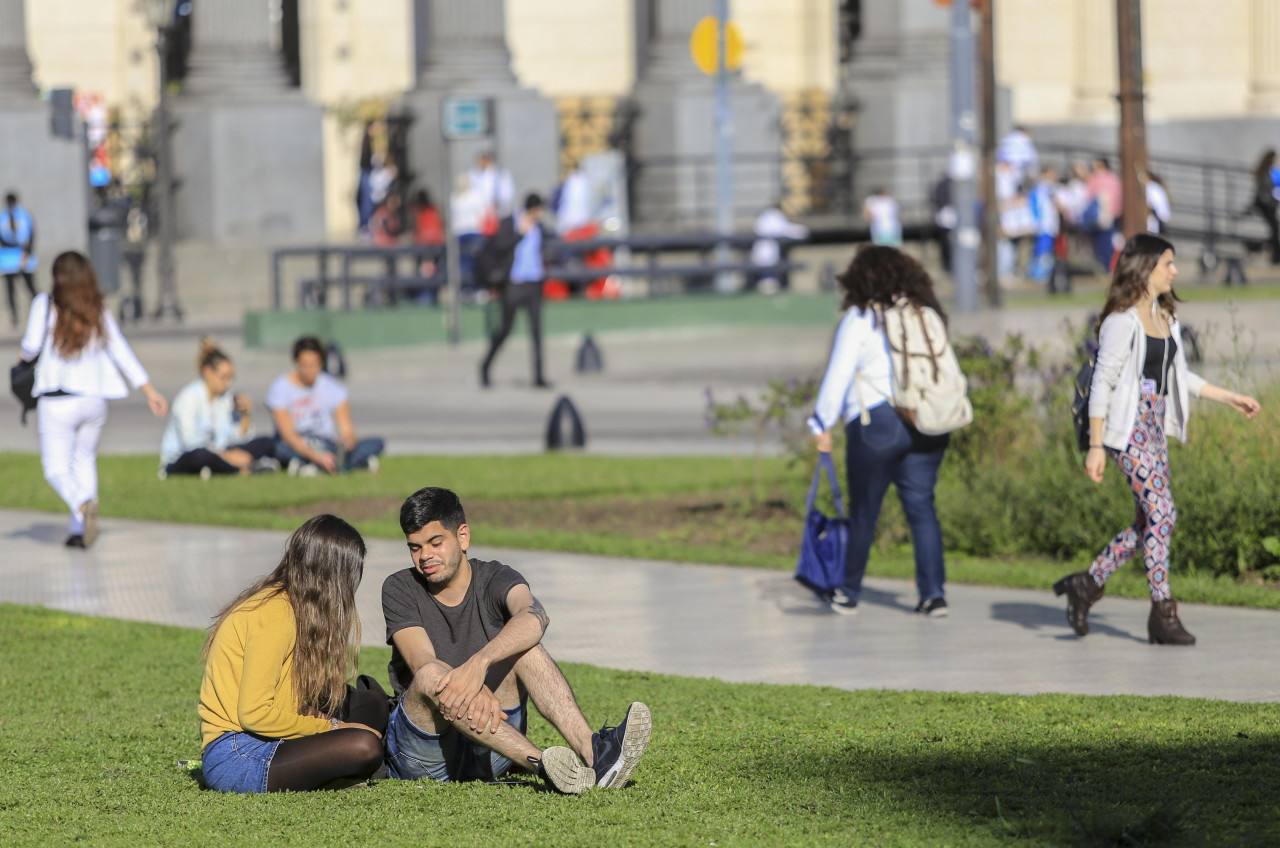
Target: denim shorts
[
  {"x": 412, "y": 753},
  {"x": 238, "y": 762}
]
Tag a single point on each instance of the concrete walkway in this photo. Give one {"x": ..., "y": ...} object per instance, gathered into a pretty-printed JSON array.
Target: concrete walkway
[{"x": 735, "y": 624}]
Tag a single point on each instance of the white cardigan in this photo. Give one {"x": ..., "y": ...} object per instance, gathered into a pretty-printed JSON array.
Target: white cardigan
[
  {"x": 94, "y": 372},
  {"x": 1117, "y": 377}
]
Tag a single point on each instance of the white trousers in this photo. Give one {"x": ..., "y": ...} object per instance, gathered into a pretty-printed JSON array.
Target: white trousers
[{"x": 70, "y": 428}]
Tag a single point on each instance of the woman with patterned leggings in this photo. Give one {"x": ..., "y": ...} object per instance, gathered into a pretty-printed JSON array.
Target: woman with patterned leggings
[{"x": 1139, "y": 396}]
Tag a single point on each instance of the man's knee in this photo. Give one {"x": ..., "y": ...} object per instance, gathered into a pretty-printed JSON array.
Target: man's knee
[{"x": 427, "y": 678}]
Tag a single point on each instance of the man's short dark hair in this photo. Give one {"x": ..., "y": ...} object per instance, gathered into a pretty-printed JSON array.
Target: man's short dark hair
[
  {"x": 307, "y": 343},
  {"x": 11, "y": 199},
  {"x": 432, "y": 504},
  {"x": 532, "y": 201}
]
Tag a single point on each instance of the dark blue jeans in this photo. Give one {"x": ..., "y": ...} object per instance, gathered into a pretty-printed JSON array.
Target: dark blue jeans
[
  {"x": 888, "y": 451},
  {"x": 358, "y": 457}
]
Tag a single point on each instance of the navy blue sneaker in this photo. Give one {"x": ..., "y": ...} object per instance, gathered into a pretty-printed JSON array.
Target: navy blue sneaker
[{"x": 617, "y": 750}]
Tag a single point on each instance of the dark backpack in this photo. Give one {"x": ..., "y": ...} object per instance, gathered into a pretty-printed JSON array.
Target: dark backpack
[{"x": 1080, "y": 401}]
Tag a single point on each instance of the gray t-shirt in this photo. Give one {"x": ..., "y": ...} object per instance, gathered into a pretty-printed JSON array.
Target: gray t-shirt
[
  {"x": 456, "y": 633},
  {"x": 310, "y": 407}
]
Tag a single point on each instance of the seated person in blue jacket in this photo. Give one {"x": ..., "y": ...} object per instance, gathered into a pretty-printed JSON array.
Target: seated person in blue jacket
[
  {"x": 313, "y": 419},
  {"x": 209, "y": 428}
]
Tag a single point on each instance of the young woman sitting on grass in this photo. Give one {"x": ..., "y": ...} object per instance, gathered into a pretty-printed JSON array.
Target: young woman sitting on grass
[
  {"x": 210, "y": 430},
  {"x": 276, "y": 665}
]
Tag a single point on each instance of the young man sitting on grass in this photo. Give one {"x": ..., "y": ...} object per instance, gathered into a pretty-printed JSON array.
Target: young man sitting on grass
[{"x": 466, "y": 657}]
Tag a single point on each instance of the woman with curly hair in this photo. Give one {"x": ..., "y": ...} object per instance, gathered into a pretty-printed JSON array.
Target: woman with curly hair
[
  {"x": 276, "y": 664},
  {"x": 881, "y": 448},
  {"x": 1139, "y": 398},
  {"x": 82, "y": 357}
]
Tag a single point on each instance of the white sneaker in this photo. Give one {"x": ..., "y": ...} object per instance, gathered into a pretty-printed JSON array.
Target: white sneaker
[
  {"x": 309, "y": 470},
  {"x": 295, "y": 465},
  {"x": 206, "y": 473},
  {"x": 374, "y": 465}
]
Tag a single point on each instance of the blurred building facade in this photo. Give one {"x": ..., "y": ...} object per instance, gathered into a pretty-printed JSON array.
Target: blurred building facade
[{"x": 821, "y": 80}]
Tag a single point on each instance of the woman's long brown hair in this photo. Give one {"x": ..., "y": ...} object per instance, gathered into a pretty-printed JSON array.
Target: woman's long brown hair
[
  {"x": 79, "y": 304},
  {"x": 319, "y": 573},
  {"x": 1129, "y": 282}
]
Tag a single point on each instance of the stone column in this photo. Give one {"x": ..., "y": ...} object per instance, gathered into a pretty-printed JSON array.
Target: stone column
[
  {"x": 899, "y": 78},
  {"x": 666, "y": 55},
  {"x": 675, "y": 126},
  {"x": 46, "y": 172},
  {"x": 231, "y": 53},
  {"x": 1264, "y": 61},
  {"x": 1094, "y": 61},
  {"x": 462, "y": 51},
  {"x": 248, "y": 149},
  {"x": 15, "y": 64},
  {"x": 463, "y": 44}
]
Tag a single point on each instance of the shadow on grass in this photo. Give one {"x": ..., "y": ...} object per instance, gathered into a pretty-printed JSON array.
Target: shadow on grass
[
  {"x": 1118, "y": 794},
  {"x": 1045, "y": 617}
]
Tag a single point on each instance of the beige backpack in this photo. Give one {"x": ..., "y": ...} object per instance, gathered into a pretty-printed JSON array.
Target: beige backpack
[{"x": 930, "y": 391}]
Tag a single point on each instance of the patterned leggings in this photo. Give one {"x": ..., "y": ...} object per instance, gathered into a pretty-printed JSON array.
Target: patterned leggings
[{"x": 1145, "y": 463}]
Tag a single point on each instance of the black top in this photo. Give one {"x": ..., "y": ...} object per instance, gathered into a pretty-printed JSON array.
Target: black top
[{"x": 1160, "y": 354}]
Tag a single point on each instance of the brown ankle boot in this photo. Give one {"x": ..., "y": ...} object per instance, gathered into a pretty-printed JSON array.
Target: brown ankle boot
[
  {"x": 1163, "y": 626},
  {"x": 1082, "y": 592}
]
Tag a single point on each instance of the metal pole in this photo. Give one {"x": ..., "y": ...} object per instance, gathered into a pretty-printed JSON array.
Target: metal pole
[
  {"x": 452, "y": 249},
  {"x": 1133, "y": 133},
  {"x": 965, "y": 237},
  {"x": 168, "y": 301},
  {"x": 725, "y": 283},
  {"x": 990, "y": 207}
]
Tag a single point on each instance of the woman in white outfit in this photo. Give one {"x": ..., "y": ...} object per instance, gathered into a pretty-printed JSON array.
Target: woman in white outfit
[{"x": 82, "y": 357}]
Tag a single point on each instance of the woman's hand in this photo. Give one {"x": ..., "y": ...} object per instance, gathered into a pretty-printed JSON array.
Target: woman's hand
[
  {"x": 1244, "y": 403},
  {"x": 1094, "y": 463},
  {"x": 159, "y": 406},
  {"x": 822, "y": 441}
]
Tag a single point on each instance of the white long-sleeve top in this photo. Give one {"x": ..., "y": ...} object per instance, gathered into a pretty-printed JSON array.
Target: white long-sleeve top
[
  {"x": 1117, "y": 379},
  {"x": 859, "y": 365},
  {"x": 99, "y": 370},
  {"x": 198, "y": 421}
]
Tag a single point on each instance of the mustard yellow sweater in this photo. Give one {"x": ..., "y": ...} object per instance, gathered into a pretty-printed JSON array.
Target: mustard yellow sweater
[{"x": 248, "y": 680}]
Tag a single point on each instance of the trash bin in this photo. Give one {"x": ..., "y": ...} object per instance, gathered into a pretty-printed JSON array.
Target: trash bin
[{"x": 106, "y": 245}]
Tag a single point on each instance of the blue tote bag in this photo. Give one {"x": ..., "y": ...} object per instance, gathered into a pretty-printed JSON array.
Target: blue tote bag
[{"x": 822, "y": 548}]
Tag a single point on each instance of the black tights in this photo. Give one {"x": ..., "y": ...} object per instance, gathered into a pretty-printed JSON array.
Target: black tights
[{"x": 335, "y": 759}]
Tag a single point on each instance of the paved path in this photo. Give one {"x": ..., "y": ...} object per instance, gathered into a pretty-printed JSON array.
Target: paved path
[{"x": 735, "y": 624}]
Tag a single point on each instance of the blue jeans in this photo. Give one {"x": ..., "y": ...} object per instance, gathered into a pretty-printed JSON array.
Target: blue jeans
[
  {"x": 412, "y": 753},
  {"x": 238, "y": 762},
  {"x": 887, "y": 451},
  {"x": 357, "y": 458}
]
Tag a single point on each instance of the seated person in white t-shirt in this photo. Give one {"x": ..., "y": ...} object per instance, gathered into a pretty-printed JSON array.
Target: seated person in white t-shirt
[
  {"x": 313, "y": 419},
  {"x": 210, "y": 431}
]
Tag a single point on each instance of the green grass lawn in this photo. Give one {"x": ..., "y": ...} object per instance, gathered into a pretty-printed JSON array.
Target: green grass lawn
[
  {"x": 653, "y": 508},
  {"x": 95, "y": 715}
]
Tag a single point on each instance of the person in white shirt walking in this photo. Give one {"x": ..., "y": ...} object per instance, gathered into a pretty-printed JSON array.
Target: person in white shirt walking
[
  {"x": 82, "y": 359},
  {"x": 880, "y": 446}
]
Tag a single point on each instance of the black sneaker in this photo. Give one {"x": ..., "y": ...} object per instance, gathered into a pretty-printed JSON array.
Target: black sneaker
[
  {"x": 75, "y": 541},
  {"x": 561, "y": 768},
  {"x": 842, "y": 603},
  {"x": 937, "y": 608},
  {"x": 617, "y": 750}
]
